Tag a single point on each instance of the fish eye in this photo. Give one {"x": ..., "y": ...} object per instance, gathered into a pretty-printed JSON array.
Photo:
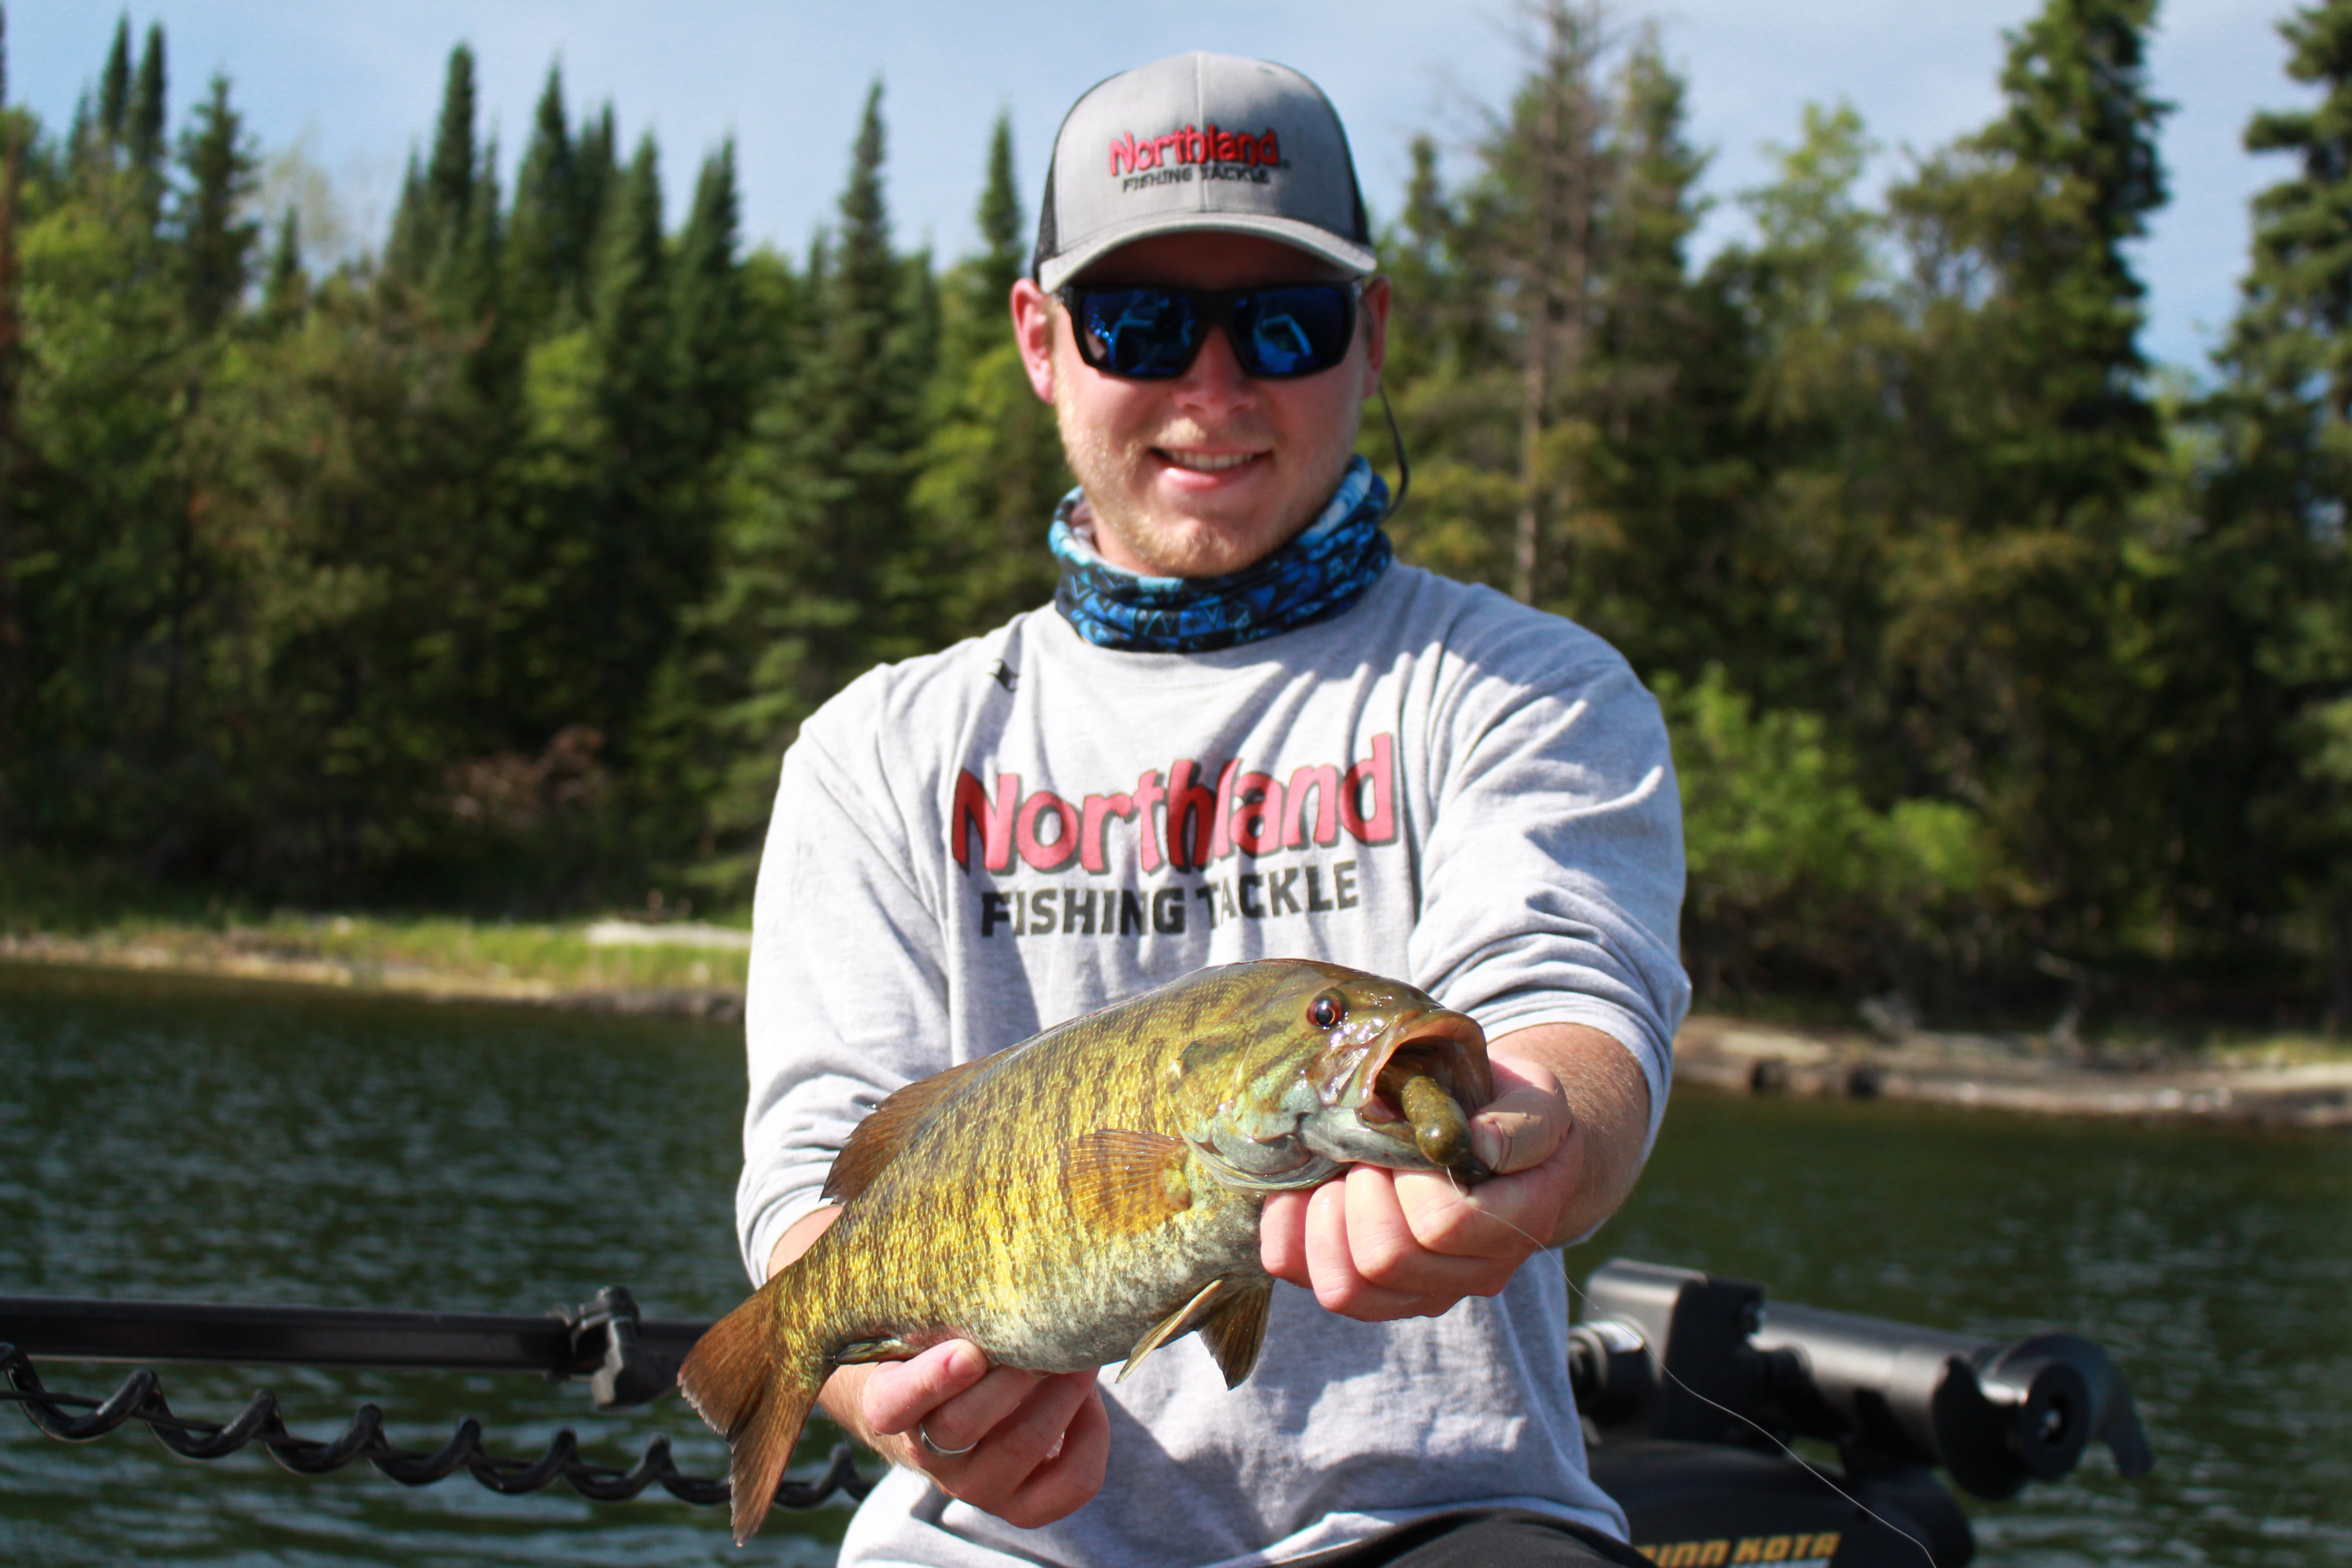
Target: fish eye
[{"x": 1327, "y": 1010}]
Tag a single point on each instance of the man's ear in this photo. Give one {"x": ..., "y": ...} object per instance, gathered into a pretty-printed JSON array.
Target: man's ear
[
  {"x": 1375, "y": 328},
  {"x": 1032, "y": 330}
]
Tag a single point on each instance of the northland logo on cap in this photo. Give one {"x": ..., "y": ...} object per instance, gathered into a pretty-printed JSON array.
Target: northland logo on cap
[
  {"x": 1201, "y": 142},
  {"x": 1219, "y": 156}
]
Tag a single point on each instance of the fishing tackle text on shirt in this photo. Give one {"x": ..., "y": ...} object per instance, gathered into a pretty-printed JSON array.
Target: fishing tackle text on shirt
[{"x": 1180, "y": 825}]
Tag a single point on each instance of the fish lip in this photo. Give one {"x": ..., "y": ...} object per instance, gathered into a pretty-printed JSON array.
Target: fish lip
[{"x": 1461, "y": 1062}]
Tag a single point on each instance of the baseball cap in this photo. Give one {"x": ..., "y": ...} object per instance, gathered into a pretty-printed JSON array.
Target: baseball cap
[{"x": 1201, "y": 141}]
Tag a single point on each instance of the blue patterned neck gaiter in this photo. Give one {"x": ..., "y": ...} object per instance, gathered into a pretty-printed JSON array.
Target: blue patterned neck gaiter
[{"x": 1312, "y": 578}]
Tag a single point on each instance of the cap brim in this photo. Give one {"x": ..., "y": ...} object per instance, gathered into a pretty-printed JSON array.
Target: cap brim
[{"x": 1356, "y": 261}]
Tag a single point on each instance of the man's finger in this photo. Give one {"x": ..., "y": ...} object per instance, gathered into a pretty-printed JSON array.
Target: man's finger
[
  {"x": 1073, "y": 1469},
  {"x": 979, "y": 1410},
  {"x": 901, "y": 1393},
  {"x": 1339, "y": 1285},
  {"x": 1282, "y": 1239},
  {"x": 1521, "y": 1127},
  {"x": 1484, "y": 1225}
]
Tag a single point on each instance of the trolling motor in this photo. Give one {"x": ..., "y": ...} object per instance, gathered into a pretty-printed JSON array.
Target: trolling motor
[{"x": 1689, "y": 1387}]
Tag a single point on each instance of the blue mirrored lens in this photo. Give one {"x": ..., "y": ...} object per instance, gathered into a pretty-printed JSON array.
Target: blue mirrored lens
[
  {"x": 1144, "y": 333},
  {"x": 1293, "y": 331},
  {"x": 1152, "y": 333}
]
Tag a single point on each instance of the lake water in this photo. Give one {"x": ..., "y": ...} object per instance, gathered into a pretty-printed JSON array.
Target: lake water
[{"x": 168, "y": 1138}]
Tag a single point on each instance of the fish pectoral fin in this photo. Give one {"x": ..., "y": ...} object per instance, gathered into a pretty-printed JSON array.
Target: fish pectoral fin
[
  {"x": 887, "y": 1128},
  {"x": 1122, "y": 1182},
  {"x": 859, "y": 1351},
  {"x": 1182, "y": 1320},
  {"x": 1234, "y": 1329}
]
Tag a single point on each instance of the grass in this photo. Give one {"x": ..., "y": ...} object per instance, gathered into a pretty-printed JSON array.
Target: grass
[
  {"x": 96, "y": 918},
  {"x": 2283, "y": 1050},
  {"x": 430, "y": 953}
]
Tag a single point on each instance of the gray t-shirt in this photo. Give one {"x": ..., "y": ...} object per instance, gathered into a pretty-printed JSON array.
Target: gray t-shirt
[{"x": 1438, "y": 784}]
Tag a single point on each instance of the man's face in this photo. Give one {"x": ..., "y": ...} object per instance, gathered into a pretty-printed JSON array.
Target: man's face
[{"x": 1213, "y": 470}]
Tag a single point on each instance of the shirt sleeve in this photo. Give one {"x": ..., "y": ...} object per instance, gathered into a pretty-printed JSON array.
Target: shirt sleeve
[
  {"x": 847, "y": 994},
  {"x": 1552, "y": 873}
]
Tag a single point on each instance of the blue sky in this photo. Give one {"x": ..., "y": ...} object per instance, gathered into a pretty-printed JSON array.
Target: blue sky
[{"x": 354, "y": 86}]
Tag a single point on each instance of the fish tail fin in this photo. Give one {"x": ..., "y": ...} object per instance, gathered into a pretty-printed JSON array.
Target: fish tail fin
[{"x": 739, "y": 1381}]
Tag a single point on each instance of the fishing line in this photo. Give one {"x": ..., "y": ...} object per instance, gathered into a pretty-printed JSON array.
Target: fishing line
[{"x": 1667, "y": 1373}]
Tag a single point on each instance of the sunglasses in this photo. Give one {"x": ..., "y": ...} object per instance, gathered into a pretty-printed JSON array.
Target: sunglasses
[{"x": 1149, "y": 332}]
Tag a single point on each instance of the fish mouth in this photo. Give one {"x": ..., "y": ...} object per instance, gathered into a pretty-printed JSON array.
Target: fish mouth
[
  {"x": 1364, "y": 1118},
  {"x": 1447, "y": 1046}
]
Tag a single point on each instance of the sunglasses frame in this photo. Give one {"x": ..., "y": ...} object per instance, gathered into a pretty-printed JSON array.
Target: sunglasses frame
[{"x": 1214, "y": 307}]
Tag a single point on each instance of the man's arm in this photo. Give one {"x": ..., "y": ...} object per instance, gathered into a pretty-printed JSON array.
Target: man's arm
[
  {"x": 1567, "y": 1130},
  {"x": 1040, "y": 1442}
]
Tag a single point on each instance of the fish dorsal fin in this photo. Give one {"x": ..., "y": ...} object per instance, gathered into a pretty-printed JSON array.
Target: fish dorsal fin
[
  {"x": 1123, "y": 1182},
  {"x": 1182, "y": 1320},
  {"x": 878, "y": 1139},
  {"x": 1235, "y": 1328}
]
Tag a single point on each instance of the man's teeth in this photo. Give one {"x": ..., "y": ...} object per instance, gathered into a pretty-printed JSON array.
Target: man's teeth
[{"x": 1207, "y": 463}]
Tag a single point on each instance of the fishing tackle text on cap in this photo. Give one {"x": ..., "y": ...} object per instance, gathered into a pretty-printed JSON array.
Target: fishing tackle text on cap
[{"x": 1201, "y": 141}]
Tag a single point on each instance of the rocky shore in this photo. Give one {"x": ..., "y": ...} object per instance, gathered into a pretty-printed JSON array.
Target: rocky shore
[
  {"x": 2016, "y": 1072},
  {"x": 2280, "y": 1088}
]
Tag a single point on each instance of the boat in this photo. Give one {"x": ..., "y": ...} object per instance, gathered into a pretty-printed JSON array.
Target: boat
[{"x": 1694, "y": 1389}]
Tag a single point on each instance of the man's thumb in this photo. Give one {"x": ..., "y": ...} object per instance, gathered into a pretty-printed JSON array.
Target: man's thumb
[{"x": 1520, "y": 1130}]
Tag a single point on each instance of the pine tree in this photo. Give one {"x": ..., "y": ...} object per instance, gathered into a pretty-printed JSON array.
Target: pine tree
[
  {"x": 1650, "y": 525},
  {"x": 91, "y": 486},
  {"x": 2270, "y": 575},
  {"x": 546, "y": 251},
  {"x": 1815, "y": 291},
  {"x": 1449, "y": 377},
  {"x": 12, "y": 631},
  {"x": 113, "y": 119},
  {"x": 711, "y": 364},
  {"x": 438, "y": 227},
  {"x": 992, "y": 461},
  {"x": 634, "y": 584},
  {"x": 820, "y": 529},
  {"x": 1550, "y": 166},
  {"x": 286, "y": 292},
  {"x": 2033, "y": 438},
  {"x": 216, "y": 242},
  {"x": 449, "y": 173},
  {"x": 2292, "y": 342},
  {"x": 595, "y": 166},
  {"x": 143, "y": 129},
  {"x": 408, "y": 249}
]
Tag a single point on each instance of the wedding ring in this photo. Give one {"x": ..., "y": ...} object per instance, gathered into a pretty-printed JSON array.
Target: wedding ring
[{"x": 924, "y": 1438}]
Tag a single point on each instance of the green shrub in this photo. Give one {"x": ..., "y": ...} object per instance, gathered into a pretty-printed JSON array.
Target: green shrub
[{"x": 1797, "y": 881}]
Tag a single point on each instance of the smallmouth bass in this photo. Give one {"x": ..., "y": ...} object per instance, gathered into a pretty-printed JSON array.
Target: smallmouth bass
[{"x": 1093, "y": 1193}]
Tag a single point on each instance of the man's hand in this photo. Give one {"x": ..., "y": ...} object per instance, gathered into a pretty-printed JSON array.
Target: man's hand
[
  {"x": 1038, "y": 1442},
  {"x": 1378, "y": 1244}
]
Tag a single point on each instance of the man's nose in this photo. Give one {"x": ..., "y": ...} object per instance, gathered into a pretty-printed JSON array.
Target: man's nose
[{"x": 1215, "y": 380}]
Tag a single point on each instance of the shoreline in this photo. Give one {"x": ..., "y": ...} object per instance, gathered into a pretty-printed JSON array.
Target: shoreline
[
  {"x": 2011, "y": 1072},
  {"x": 2015, "y": 1072}
]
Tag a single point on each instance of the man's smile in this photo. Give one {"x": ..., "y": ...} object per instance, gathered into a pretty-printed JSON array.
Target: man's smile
[{"x": 1204, "y": 462}]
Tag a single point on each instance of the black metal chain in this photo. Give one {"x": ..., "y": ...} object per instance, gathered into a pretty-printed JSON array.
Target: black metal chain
[{"x": 141, "y": 1398}]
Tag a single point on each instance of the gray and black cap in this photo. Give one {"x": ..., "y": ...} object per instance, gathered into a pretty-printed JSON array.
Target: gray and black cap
[{"x": 1201, "y": 141}]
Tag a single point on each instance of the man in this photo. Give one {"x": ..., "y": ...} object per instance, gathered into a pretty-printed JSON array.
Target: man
[{"x": 1240, "y": 731}]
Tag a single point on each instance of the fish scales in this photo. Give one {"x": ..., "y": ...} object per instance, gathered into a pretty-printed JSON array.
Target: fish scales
[
  {"x": 1072, "y": 1301},
  {"x": 1092, "y": 1193}
]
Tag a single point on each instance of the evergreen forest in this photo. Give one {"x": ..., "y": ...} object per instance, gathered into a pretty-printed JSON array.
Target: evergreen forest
[{"x": 491, "y": 571}]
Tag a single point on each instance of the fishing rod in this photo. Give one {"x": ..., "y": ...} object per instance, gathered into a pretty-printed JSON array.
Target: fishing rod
[{"x": 1692, "y": 1385}]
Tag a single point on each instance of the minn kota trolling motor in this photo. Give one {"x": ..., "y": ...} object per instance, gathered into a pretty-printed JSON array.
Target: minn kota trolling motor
[
  {"x": 1681, "y": 1376},
  {"x": 1686, "y": 1385}
]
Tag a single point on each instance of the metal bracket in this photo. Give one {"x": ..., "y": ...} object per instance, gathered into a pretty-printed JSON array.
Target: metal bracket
[{"x": 624, "y": 1373}]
